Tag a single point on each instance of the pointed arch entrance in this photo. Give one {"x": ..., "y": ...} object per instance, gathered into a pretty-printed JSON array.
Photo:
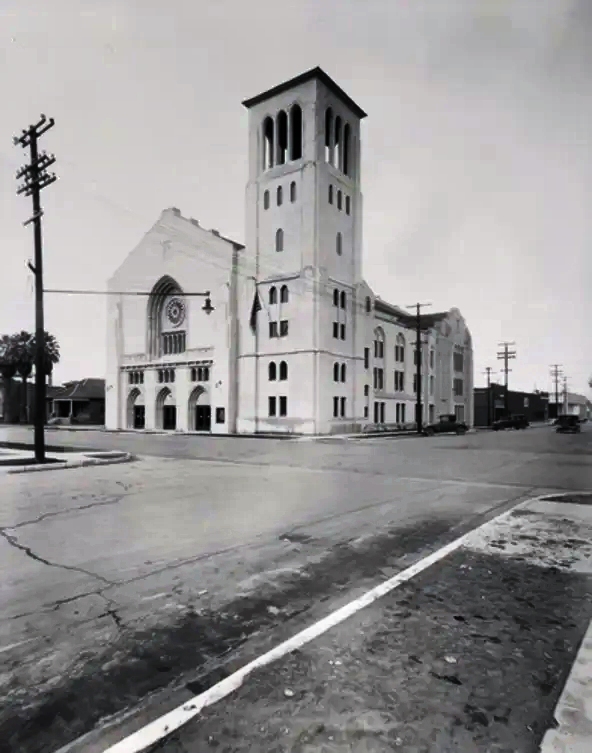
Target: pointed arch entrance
[
  {"x": 136, "y": 410},
  {"x": 200, "y": 410},
  {"x": 166, "y": 410}
]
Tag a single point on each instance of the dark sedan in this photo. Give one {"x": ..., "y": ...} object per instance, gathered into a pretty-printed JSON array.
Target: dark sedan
[
  {"x": 511, "y": 422},
  {"x": 446, "y": 425}
]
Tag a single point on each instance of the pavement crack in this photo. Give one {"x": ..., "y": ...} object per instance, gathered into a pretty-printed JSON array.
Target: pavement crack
[
  {"x": 13, "y": 541},
  {"x": 46, "y": 515}
]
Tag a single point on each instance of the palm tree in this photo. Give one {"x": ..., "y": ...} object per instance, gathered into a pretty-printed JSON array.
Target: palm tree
[{"x": 17, "y": 353}]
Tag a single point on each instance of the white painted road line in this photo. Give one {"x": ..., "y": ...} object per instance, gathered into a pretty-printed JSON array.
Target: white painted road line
[{"x": 168, "y": 723}]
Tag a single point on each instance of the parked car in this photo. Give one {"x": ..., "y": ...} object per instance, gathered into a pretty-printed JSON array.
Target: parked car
[
  {"x": 511, "y": 422},
  {"x": 447, "y": 424},
  {"x": 568, "y": 425}
]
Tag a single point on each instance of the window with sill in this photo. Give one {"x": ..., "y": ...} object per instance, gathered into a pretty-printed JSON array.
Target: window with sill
[
  {"x": 272, "y": 371},
  {"x": 271, "y": 409},
  {"x": 283, "y": 327},
  {"x": 266, "y": 200},
  {"x": 283, "y": 405},
  {"x": 273, "y": 329},
  {"x": 283, "y": 371},
  {"x": 279, "y": 196},
  {"x": 335, "y": 407},
  {"x": 336, "y": 330},
  {"x": 342, "y": 407},
  {"x": 284, "y": 295},
  {"x": 342, "y": 331}
]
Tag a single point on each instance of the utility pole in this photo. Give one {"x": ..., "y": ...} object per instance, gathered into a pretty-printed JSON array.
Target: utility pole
[
  {"x": 565, "y": 400},
  {"x": 418, "y": 354},
  {"x": 556, "y": 375},
  {"x": 488, "y": 371},
  {"x": 506, "y": 355},
  {"x": 37, "y": 178}
]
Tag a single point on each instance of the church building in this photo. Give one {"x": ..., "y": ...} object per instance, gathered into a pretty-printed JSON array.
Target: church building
[{"x": 281, "y": 333}]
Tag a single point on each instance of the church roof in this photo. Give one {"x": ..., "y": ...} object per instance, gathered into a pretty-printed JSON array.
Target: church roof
[
  {"x": 405, "y": 317},
  {"x": 314, "y": 73}
]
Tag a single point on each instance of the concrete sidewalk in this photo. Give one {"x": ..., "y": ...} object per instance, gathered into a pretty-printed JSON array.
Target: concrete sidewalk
[{"x": 22, "y": 461}]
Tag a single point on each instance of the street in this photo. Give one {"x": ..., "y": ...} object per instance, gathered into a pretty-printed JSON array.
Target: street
[{"x": 138, "y": 586}]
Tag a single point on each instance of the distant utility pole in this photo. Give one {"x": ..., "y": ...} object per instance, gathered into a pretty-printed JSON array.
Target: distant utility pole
[
  {"x": 37, "y": 178},
  {"x": 556, "y": 375},
  {"x": 506, "y": 355},
  {"x": 418, "y": 406},
  {"x": 488, "y": 371},
  {"x": 565, "y": 400}
]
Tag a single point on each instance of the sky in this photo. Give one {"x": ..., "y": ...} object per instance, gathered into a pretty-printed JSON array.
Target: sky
[{"x": 476, "y": 158}]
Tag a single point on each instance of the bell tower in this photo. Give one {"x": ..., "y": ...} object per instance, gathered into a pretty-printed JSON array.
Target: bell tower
[{"x": 303, "y": 237}]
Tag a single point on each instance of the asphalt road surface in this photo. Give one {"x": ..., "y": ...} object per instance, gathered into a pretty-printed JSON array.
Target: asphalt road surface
[{"x": 129, "y": 587}]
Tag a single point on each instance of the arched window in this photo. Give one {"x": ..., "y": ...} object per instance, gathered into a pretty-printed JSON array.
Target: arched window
[
  {"x": 284, "y": 294},
  {"x": 343, "y": 372},
  {"x": 335, "y": 372},
  {"x": 293, "y": 191},
  {"x": 342, "y": 299},
  {"x": 273, "y": 294},
  {"x": 330, "y": 194},
  {"x": 368, "y": 304},
  {"x": 283, "y": 371},
  {"x": 272, "y": 371},
  {"x": 339, "y": 200},
  {"x": 296, "y": 132},
  {"x": 279, "y": 240},
  {"x": 346, "y": 149},
  {"x": 338, "y": 151},
  {"x": 268, "y": 143},
  {"x": 339, "y": 244},
  {"x": 400, "y": 349},
  {"x": 266, "y": 200},
  {"x": 282, "y": 137},
  {"x": 379, "y": 343},
  {"x": 336, "y": 297},
  {"x": 329, "y": 135},
  {"x": 279, "y": 196}
]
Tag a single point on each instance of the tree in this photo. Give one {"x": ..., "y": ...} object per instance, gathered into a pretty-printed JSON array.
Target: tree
[
  {"x": 8, "y": 371},
  {"x": 17, "y": 353}
]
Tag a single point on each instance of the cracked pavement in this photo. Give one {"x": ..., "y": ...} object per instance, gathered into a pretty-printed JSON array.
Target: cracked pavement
[{"x": 128, "y": 582}]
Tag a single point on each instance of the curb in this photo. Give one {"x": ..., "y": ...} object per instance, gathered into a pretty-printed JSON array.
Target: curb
[{"x": 123, "y": 457}]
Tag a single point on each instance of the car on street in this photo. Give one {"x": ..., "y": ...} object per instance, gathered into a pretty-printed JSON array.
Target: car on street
[
  {"x": 448, "y": 424},
  {"x": 568, "y": 425},
  {"x": 511, "y": 422}
]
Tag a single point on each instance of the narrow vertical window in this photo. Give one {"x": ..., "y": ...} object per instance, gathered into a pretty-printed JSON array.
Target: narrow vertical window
[
  {"x": 272, "y": 371},
  {"x": 368, "y": 304},
  {"x": 279, "y": 240},
  {"x": 279, "y": 196},
  {"x": 272, "y": 294},
  {"x": 335, "y": 407},
  {"x": 293, "y": 191},
  {"x": 339, "y": 244},
  {"x": 283, "y": 371},
  {"x": 366, "y": 358},
  {"x": 330, "y": 194},
  {"x": 336, "y": 330},
  {"x": 339, "y": 200},
  {"x": 329, "y": 136},
  {"x": 343, "y": 372},
  {"x": 337, "y": 161},
  {"x": 342, "y": 300},
  {"x": 342, "y": 331},
  {"x": 271, "y": 407},
  {"x": 266, "y": 200},
  {"x": 346, "y": 149},
  {"x": 348, "y": 204},
  {"x": 335, "y": 372},
  {"x": 342, "y": 407},
  {"x": 282, "y": 137},
  {"x": 283, "y": 405},
  {"x": 284, "y": 294},
  {"x": 296, "y": 132},
  {"x": 268, "y": 143},
  {"x": 336, "y": 297}
]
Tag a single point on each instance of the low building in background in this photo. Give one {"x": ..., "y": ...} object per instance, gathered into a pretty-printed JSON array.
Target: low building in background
[
  {"x": 79, "y": 402},
  {"x": 490, "y": 404}
]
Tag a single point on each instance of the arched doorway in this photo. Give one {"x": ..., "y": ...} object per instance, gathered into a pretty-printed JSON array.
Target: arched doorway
[
  {"x": 136, "y": 410},
  {"x": 166, "y": 410},
  {"x": 200, "y": 410}
]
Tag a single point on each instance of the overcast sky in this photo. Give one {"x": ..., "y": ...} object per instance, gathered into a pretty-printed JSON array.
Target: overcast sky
[{"x": 476, "y": 159}]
